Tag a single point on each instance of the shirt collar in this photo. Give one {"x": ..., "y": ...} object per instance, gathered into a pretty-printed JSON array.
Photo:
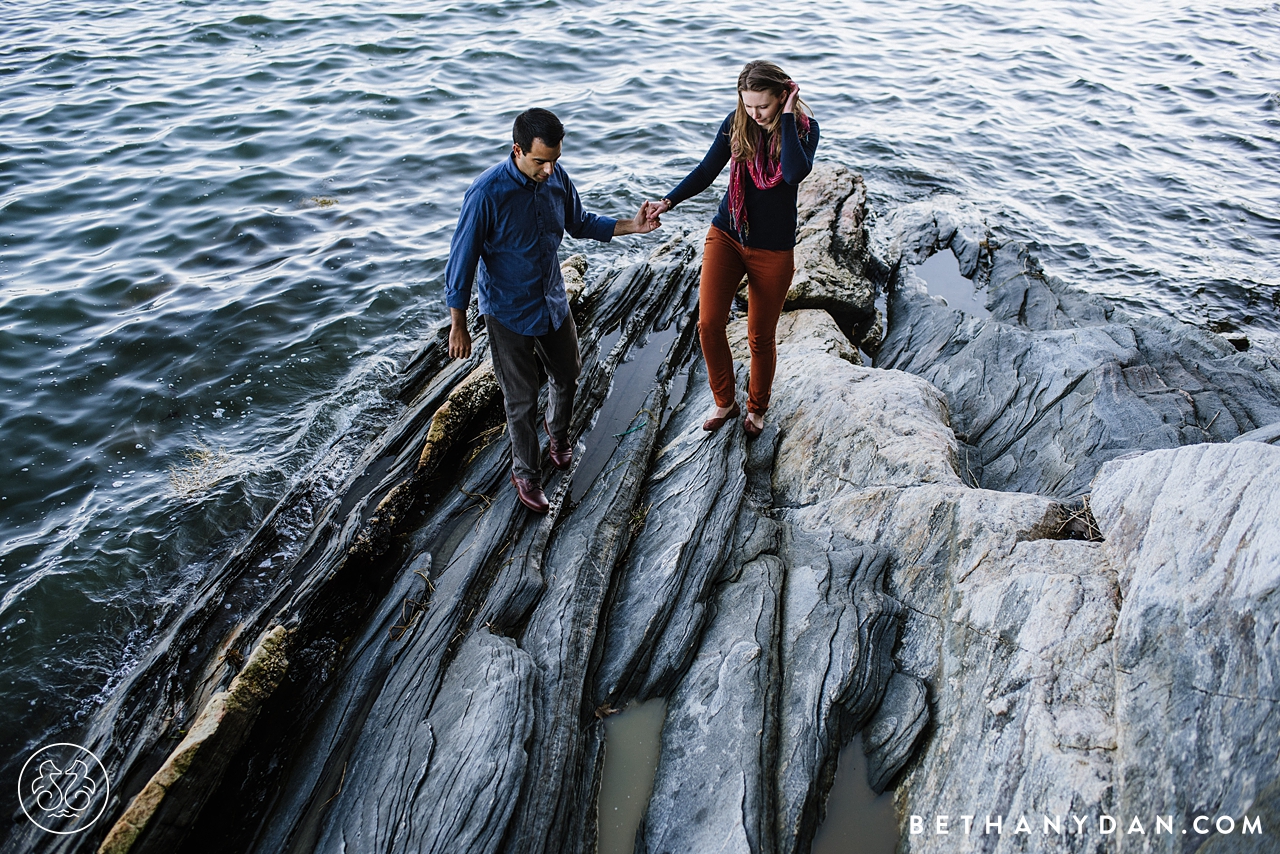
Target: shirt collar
[{"x": 519, "y": 177}]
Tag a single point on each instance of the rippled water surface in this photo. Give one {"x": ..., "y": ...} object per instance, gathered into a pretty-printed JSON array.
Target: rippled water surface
[{"x": 223, "y": 226}]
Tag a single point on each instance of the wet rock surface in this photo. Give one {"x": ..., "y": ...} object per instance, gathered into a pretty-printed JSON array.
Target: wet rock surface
[
  {"x": 713, "y": 787},
  {"x": 893, "y": 556}
]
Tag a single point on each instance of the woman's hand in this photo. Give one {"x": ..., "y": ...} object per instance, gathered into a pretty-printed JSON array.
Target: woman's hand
[{"x": 792, "y": 95}]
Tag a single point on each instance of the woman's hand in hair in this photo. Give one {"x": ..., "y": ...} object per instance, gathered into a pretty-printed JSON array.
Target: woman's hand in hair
[{"x": 792, "y": 96}]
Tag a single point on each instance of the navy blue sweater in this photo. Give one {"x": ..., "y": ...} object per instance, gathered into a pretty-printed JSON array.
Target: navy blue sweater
[{"x": 771, "y": 214}]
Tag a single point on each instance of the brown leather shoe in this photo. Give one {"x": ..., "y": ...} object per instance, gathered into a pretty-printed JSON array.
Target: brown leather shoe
[
  {"x": 530, "y": 494},
  {"x": 750, "y": 429},
  {"x": 713, "y": 424},
  {"x": 561, "y": 453}
]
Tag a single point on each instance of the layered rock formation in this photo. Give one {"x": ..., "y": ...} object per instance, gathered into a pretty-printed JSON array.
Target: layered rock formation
[
  {"x": 907, "y": 551},
  {"x": 1116, "y": 680},
  {"x": 1129, "y": 678},
  {"x": 1057, "y": 382}
]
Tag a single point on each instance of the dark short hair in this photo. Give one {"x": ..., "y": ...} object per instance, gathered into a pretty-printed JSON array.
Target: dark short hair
[{"x": 536, "y": 123}]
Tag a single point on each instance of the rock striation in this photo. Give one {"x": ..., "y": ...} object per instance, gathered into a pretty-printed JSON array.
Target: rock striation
[
  {"x": 794, "y": 656},
  {"x": 1192, "y": 534},
  {"x": 1019, "y": 556},
  {"x": 1057, "y": 382}
]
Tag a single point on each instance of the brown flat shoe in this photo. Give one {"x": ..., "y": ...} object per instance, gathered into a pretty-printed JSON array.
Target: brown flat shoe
[
  {"x": 713, "y": 424},
  {"x": 750, "y": 429},
  {"x": 561, "y": 453},
  {"x": 530, "y": 494}
]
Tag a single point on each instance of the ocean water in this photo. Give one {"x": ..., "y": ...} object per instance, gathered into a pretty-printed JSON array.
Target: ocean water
[{"x": 223, "y": 226}]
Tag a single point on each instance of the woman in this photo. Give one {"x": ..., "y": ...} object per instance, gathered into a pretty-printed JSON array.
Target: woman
[{"x": 770, "y": 139}]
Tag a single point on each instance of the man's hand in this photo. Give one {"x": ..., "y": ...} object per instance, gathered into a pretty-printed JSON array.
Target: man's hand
[
  {"x": 645, "y": 221},
  {"x": 459, "y": 337}
]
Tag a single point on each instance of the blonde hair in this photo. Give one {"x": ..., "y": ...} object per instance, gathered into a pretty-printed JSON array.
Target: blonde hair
[{"x": 744, "y": 134}]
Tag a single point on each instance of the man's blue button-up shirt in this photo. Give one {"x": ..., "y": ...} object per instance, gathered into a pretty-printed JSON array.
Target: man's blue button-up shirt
[{"x": 509, "y": 231}]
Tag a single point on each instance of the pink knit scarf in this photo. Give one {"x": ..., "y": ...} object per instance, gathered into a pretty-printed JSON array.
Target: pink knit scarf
[{"x": 765, "y": 172}]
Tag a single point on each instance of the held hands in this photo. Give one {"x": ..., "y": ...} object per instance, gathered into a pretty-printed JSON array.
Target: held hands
[
  {"x": 647, "y": 218},
  {"x": 661, "y": 207},
  {"x": 645, "y": 221},
  {"x": 656, "y": 210}
]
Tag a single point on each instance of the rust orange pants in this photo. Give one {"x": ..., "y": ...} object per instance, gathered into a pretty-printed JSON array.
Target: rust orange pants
[{"x": 768, "y": 271}]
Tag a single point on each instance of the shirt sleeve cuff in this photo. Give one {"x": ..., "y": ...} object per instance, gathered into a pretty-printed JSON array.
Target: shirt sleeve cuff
[{"x": 604, "y": 229}]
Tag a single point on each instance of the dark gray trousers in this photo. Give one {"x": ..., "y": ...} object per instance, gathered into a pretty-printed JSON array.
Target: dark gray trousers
[{"x": 517, "y": 372}]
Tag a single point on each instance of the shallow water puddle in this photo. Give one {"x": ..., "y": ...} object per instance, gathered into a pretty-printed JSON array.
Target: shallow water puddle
[
  {"x": 632, "y": 382},
  {"x": 858, "y": 820},
  {"x": 941, "y": 272},
  {"x": 630, "y": 760}
]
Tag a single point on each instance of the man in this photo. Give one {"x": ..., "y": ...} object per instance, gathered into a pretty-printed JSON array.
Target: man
[{"x": 512, "y": 221}]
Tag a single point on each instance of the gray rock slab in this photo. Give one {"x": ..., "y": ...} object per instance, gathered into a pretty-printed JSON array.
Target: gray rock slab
[
  {"x": 684, "y": 525},
  {"x": 836, "y": 642},
  {"x": 1269, "y": 434},
  {"x": 1058, "y": 382},
  {"x": 713, "y": 786},
  {"x": 1023, "y": 702},
  {"x": 889, "y": 739},
  {"x": 1194, "y": 535},
  {"x": 1007, "y": 628},
  {"x": 1065, "y": 679},
  {"x": 799, "y": 648},
  {"x": 1126, "y": 678},
  {"x": 395, "y": 744},
  {"x": 830, "y": 248},
  {"x": 798, "y": 653},
  {"x": 323, "y": 767},
  {"x": 348, "y": 744},
  {"x": 465, "y": 773},
  {"x": 844, "y": 426},
  {"x": 910, "y": 233},
  {"x": 481, "y": 722},
  {"x": 1022, "y": 293},
  {"x": 561, "y": 638}
]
